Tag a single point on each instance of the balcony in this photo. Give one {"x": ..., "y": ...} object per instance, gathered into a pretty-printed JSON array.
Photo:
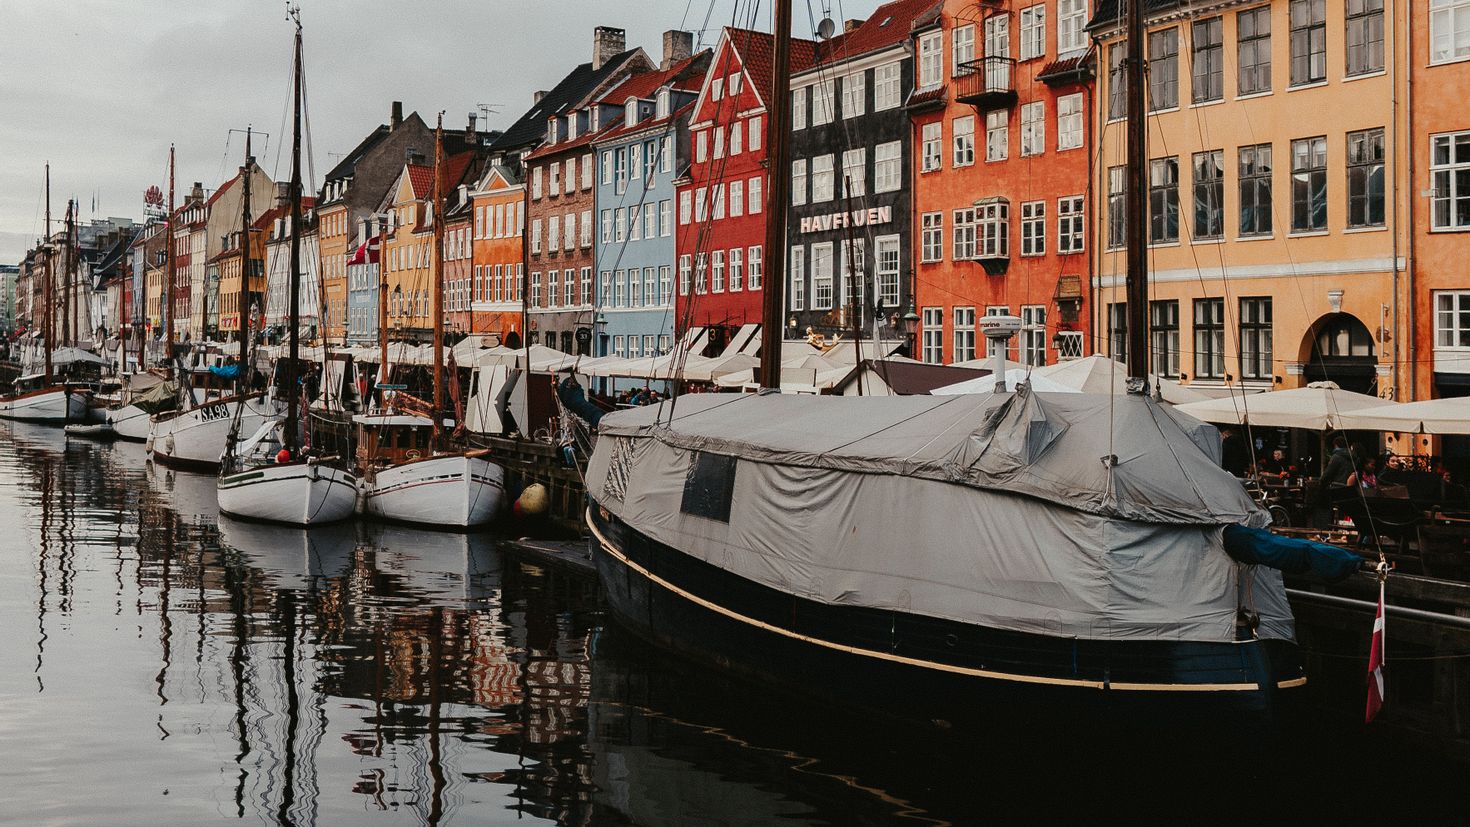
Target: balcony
[{"x": 986, "y": 83}]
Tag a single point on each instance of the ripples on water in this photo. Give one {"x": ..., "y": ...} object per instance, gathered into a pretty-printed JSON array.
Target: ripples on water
[{"x": 161, "y": 664}]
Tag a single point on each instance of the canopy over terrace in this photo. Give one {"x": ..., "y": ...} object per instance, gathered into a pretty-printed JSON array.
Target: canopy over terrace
[
  {"x": 1320, "y": 406},
  {"x": 1091, "y": 374},
  {"x": 1443, "y": 417}
]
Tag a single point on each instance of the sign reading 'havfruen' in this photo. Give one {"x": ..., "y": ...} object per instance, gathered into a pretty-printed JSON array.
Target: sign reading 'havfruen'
[{"x": 838, "y": 220}]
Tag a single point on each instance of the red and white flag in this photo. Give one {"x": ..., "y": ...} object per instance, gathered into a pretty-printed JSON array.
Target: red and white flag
[
  {"x": 1375, "y": 662},
  {"x": 367, "y": 252}
]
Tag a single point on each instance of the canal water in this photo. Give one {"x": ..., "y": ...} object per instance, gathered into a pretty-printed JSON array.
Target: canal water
[{"x": 161, "y": 664}]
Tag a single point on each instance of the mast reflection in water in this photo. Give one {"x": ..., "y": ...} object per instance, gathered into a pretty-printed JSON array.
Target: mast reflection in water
[{"x": 162, "y": 664}]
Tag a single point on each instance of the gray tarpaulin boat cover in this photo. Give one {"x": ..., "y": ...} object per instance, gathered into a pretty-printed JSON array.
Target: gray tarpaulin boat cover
[{"x": 1072, "y": 515}]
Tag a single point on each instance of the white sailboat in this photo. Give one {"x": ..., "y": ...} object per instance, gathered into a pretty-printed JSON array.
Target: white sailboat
[
  {"x": 407, "y": 474},
  {"x": 272, "y": 476}
]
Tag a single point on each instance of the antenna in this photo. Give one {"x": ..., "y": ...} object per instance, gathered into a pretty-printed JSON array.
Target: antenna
[{"x": 826, "y": 28}]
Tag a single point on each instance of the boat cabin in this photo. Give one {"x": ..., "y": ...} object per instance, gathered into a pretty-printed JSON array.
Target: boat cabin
[{"x": 393, "y": 439}]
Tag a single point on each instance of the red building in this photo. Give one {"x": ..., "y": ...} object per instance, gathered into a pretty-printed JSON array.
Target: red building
[
  {"x": 1002, "y": 135},
  {"x": 721, "y": 202}
]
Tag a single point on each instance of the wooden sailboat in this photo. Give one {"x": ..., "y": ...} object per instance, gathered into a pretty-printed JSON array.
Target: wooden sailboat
[
  {"x": 38, "y": 397},
  {"x": 409, "y": 474},
  {"x": 271, "y": 476},
  {"x": 946, "y": 557}
]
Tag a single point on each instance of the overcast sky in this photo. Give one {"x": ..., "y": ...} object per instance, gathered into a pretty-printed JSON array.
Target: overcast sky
[{"x": 101, "y": 87}]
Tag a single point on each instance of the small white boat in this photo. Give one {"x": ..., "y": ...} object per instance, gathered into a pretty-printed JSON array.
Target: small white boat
[
  {"x": 54, "y": 404},
  {"x": 98, "y": 431},
  {"x": 304, "y": 493},
  {"x": 195, "y": 439},
  {"x": 130, "y": 422},
  {"x": 403, "y": 481}
]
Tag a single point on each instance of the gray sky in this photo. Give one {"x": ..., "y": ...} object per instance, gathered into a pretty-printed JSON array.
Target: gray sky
[{"x": 101, "y": 87}]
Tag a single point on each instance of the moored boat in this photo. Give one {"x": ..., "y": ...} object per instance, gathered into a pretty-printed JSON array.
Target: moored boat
[
  {"x": 44, "y": 403},
  {"x": 195, "y": 439},
  {"x": 304, "y": 493},
  {"x": 404, "y": 481}
]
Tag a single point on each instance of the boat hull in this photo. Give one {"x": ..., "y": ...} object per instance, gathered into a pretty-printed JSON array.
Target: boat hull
[
  {"x": 50, "y": 405},
  {"x": 453, "y": 492},
  {"x": 195, "y": 439},
  {"x": 302, "y": 494},
  {"x": 927, "y": 668},
  {"x": 130, "y": 422}
]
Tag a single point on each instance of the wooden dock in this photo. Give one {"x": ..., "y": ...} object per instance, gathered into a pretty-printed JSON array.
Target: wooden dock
[
  {"x": 528, "y": 461},
  {"x": 573, "y": 556}
]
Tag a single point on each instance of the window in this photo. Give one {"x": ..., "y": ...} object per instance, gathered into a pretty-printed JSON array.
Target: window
[
  {"x": 1033, "y": 334},
  {"x": 1033, "y": 228},
  {"x": 701, "y": 144},
  {"x": 822, "y": 179},
  {"x": 1449, "y": 30},
  {"x": 536, "y": 236},
  {"x": 1255, "y": 338},
  {"x": 889, "y": 258},
  {"x": 932, "y": 155},
  {"x": 554, "y": 180},
  {"x": 798, "y": 108},
  {"x": 755, "y": 133},
  {"x": 822, "y": 276},
  {"x": 650, "y": 220},
  {"x": 1033, "y": 128},
  {"x": 701, "y": 203},
  {"x": 1033, "y": 32},
  {"x": 737, "y": 138},
  {"x": 888, "y": 166},
  {"x": 1365, "y": 178},
  {"x": 1209, "y": 194},
  {"x": 1309, "y": 185},
  {"x": 701, "y": 274},
  {"x": 666, "y": 154},
  {"x": 1209, "y": 338},
  {"x": 650, "y": 160},
  {"x": 1117, "y": 82},
  {"x": 798, "y": 181},
  {"x": 886, "y": 90},
  {"x": 685, "y": 207},
  {"x": 797, "y": 296},
  {"x": 1254, "y": 172},
  {"x": 964, "y": 334},
  {"x": 962, "y": 51},
  {"x": 536, "y": 185},
  {"x": 571, "y": 287},
  {"x": 684, "y": 272},
  {"x": 1308, "y": 41},
  {"x": 1071, "y": 19},
  {"x": 854, "y": 94},
  {"x": 733, "y": 85},
  {"x": 997, "y": 135},
  {"x": 552, "y": 292},
  {"x": 1070, "y": 228},
  {"x": 665, "y": 283},
  {"x": 1449, "y": 170},
  {"x": 1452, "y": 319},
  {"x": 553, "y": 234},
  {"x": 963, "y": 130},
  {"x": 535, "y": 289},
  {"x": 1163, "y": 200},
  {"x": 1208, "y": 60},
  {"x": 931, "y": 59},
  {"x": 719, "y": 133},
  {"x": 710, "y": 486},
  {"x": 737, "y": 270},
  {"x": 717, "y": 271},
  {"x": 635, "y": 228},
  {"x": 1118, "y": 331},
  {"x": 1069, "y": 121},
  {"x": 717, "y": 88},
  {"x": 1364, "y": 37},
  {"x": 823, "y": 95},
  {"x": 931, "y": 246},
  {"x": 1163, "y": 333},
  {"x": 994, "y": 223},
  {"x": 933, "y": 325},
  {"x": 1253, "y": 51},
  {"x": 854, "y": 172},
  {"x": 737, "y": 199},
  {"x": 753, "y": 194},
  {"x": 1163, "y": 69},
  {"x": 853, "y": 268},
  {"x": 997, "y": 42},
  {"x": 753, "y": 268},
  {"x": 666, "y": 218},
  {"x": 964, "y": 234},
  {"x": 718, "y": 211},
  {"x": 620, "y": 168}
]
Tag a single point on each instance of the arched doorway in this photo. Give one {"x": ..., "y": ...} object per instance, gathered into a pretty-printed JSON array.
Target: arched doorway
[{"x": 1343, "y": 351}]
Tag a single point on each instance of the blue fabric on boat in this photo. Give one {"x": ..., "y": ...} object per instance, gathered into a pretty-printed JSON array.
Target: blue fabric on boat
[
  {"x": 575, "y": 398},
  {"x": 1289, "y": 554},
  {"x": 226, "y": 372}
]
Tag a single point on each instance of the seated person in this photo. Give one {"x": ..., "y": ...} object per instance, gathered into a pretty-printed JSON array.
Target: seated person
[{"x": 1274, "y": 468}]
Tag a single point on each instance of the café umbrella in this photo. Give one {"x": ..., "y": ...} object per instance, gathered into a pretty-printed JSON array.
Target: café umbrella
[
  {"x": 1431, "y": 416},
  {"x": 1320, "y": 406}
]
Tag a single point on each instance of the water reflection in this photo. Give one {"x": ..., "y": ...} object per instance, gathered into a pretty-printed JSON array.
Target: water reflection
[{"x": 175, "y": 666}]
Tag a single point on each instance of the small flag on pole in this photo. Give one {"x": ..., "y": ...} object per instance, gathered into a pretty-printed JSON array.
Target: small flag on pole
[{"x": 1375, "y": 659}]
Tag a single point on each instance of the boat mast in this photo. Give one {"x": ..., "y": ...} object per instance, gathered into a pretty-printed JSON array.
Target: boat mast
[
  {"x": 168, "y": 316},
  {"x": 438, "y": 275},
  {"x": 49, "y": 325},
  {"x": 242, "y": 312},
  {"x": 67, "y": 264},
  {"x": 778, "y": 197},
  {"x": 1136, "y": 291},
  {"x": 293, "y": 387}
]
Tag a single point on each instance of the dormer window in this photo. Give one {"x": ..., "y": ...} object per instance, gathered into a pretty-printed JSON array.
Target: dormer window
[
  {"x": 551, "y": 130},
  {"x": 662, "y": 103},
  {"x": 630, "y": 112},
  {"x": 596, "y": 117},
  {"x": 571, "y": 125}
]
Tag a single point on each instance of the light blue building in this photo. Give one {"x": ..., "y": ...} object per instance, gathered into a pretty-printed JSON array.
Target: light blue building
[
  {"x": 362, "y": 284},
  {"x": 638, "y": 162}
]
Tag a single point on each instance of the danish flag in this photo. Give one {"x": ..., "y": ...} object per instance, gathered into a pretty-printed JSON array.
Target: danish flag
[
  {"x": 1375, "y": 662},
  {"x": 367, "y": 252}
]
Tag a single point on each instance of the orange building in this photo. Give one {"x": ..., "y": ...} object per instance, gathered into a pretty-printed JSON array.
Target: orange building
[
  {"x": 457, "y": 267},
  {"x": 498, "y": 261},
  {"x": 334, "y": 238},
  {"x": 232, "y": 303},
  {"x": 1002, "y": 136}
]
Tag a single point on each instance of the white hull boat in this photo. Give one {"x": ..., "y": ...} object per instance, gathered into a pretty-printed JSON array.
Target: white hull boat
[
  {"x": 130, "y": 422},
  {"x": 299, "y": 493},
  {"x": 195, "y": 439},
  {"x": 450, "y": 491},
  {"x": 53, "y": 404}
]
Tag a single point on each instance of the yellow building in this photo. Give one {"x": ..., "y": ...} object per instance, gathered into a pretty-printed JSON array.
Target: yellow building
[
  {"x": 232, "y": 303},
  {"x": 333, "y": 238},
  {"x": 1277, "y": 191},
  {"x": 406, "y": 255}
]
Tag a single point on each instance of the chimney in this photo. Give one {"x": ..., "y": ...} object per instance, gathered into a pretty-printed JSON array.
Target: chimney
[
  {"x": 849, "y": 25},
  {"x": 197, "y": 194},
  {"x": 537, "y": 96},
  {"x": 607, "y": 43},
  {"x": 677, "y": 46},
  {"x": 469, "y": 130},
  {"x": 396, "y": 119},
  {"x": 283, "y": 193}
]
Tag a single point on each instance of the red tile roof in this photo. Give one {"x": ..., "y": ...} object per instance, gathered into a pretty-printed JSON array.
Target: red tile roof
[
  {"x": 421, "y": 178},
  {"x": 889, "y": 25},
  {"x": 757, "y": 54}
]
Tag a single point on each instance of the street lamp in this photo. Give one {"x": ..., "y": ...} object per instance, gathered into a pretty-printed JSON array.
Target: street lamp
[{"x": 911, "y": 328}]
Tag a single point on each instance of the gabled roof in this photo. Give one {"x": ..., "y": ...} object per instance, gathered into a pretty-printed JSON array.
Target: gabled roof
[
  {"x": 891, "y": 24},
  {"x": 345, "y": 167},
  {"x": 530, "y": 128},
  {"x": 507, "y": 176},
  {"x": 756, "y": 51},
  {"x": 650, "y": 123}
]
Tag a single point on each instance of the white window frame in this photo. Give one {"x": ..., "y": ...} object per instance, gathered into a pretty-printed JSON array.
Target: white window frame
[
  {"x": 796, "y": 296},
  {"x": 932, "y": 321},
  {"x": 997, "y": 135},
  {"x": 1071, "y": 225},
  {"x": 1071, "y": 26},
  {"x": 854, "y": 181},
  {"x": 1033, "y": 228},
  {"x": 962, "y": 141},
  {"x": 931, "y": 247},
  {"x": 888, "y": 167},
  {"x": 1033, "y": 32},
  {"x": 1445, "y": 177},
  {"x": 993, "y": 230},
  {"x": 887, "y": 89},
  {"x": 1069, "y": 122},
  {"x": 964, "y": 334},
  {"x": 854, "y": 94},
  {"x": 931, "y": 59},
  {"x": 932, "y": 147},
  {"x": 1033, "y": 128},
  {"x": 1449, "y": 31},
  {"x": 823, "y": 260}
]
